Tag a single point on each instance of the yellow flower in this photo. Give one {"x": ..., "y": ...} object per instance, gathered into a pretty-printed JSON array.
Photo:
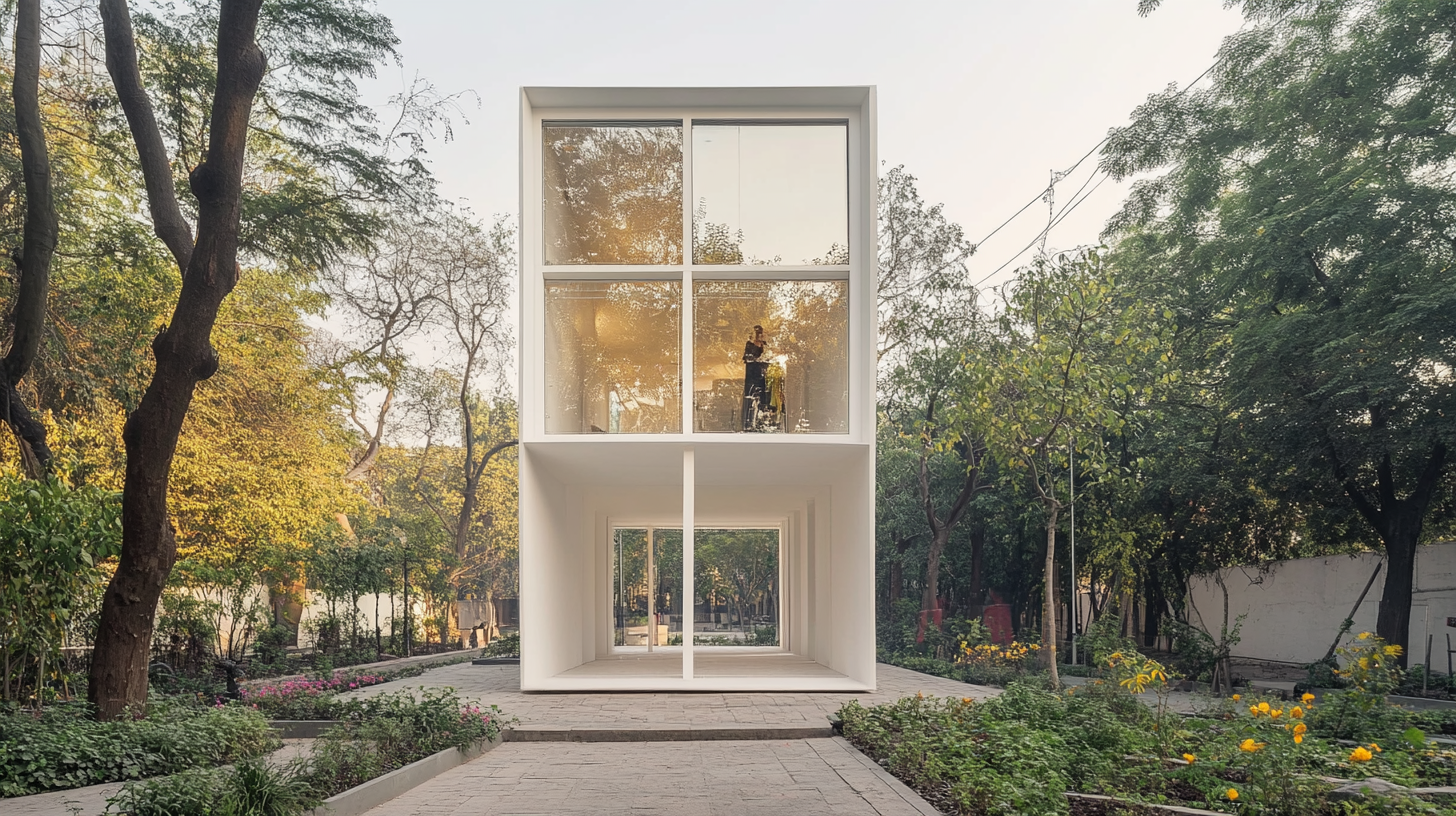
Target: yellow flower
[
  {"x": 1296, "y": 712},
  {"x": 965, "y": 699},
  {"x": 1300, "y": 728},
  {"x": 1360, "y": 754},
  {"x": 1306, "y": 698},
  {"x": 1277, "y": 713},
  {"x": 1249, "y": 746},
  {"x": 1189, "y": 758},
  {"x": 1364, "y": 662},
  {"x": 1232, "y": 794},
  {"x": 1264, "y": 707},
  {"x": 1298, "y": 738},
  {"x": 1363, "y": 636},
  {"x": 920, "y": 695},
  {"x": 1392, "y": 650},
  {"x": 1237, "y": 697},
  {"x": 1376, "y": 747},
  {"x": 1254, "y": 710}
]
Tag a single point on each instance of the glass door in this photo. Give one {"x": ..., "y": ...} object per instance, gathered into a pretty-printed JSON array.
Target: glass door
[{"x": 647, "y": 604}]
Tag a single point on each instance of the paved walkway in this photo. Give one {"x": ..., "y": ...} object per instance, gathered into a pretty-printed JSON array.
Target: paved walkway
[
  {"x": 794, "y": 777},
  {"x": 500, "y": 685},
  {"x": 814, "y": 777}
]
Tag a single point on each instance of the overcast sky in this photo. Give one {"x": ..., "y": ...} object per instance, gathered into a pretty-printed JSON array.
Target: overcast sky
[{"x": 979, "y": 99}]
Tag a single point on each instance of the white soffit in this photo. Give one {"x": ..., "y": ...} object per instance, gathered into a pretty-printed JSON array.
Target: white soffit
[{"x": 611, "y": 462}]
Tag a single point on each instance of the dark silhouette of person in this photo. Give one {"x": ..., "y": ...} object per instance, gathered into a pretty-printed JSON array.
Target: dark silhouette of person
[{"x": 755, "y": 386}]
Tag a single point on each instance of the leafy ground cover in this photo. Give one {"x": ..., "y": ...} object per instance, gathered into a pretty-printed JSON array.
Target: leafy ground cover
[
  {"x": 1020, "y": 752},
  {"x": 379, "y": 735},
  {"x": 60, "y": 747}
]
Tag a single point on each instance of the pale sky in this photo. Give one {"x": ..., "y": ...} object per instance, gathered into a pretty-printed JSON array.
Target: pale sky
[{"x": 979, "y": 100}]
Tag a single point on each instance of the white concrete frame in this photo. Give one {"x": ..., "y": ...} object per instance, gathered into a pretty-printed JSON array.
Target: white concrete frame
[{"x": 818, "y": 489}]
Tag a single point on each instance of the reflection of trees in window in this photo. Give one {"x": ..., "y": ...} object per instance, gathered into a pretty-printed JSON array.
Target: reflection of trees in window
[
  {"x": 612, "y": 195},
  {"x": 630, "y": 587},
  {"x": 738, "y": 570},
  {"x": 715, "y": 243},
  {"x": 612, "y": 357},
  {"x": 807, "y": 326},
  {"x": 723, "y": 245}
]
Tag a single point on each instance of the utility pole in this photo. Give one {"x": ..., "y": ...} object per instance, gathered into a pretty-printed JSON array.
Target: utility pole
[
  {"x": 1072, "y": 510},
  {"x": 406, "y": 608}
]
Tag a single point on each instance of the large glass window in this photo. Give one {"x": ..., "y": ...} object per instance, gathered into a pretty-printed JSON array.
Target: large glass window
[
  {"x": 771, "y": 194},
  {"x": 612, "y": 193},
  {"x": 647, "y": 603},
  {"x": 612, "y": 362},
  {"x": 736, "y": 587},
  {"x": 771, "y": 356}
]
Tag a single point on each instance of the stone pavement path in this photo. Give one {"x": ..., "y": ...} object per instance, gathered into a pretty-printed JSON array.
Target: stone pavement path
[
  {"x": 814, "y": 777},
  {"x": 794, "y": 777},
  {"x": 500, "y": 685}
]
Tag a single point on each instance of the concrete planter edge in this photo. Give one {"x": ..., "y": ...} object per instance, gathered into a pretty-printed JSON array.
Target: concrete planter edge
[{"x": 377, "y": 791}]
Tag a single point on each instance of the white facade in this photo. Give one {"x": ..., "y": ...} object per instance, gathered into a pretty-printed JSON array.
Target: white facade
[{"x": 660, "y": 228}]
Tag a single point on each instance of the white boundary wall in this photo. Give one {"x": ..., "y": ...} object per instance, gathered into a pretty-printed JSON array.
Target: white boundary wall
[{"x": 1295, "y": 608}]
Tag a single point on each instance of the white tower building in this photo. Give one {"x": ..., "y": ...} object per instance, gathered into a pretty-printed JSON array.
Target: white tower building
[{"x": 697, "y": 388}]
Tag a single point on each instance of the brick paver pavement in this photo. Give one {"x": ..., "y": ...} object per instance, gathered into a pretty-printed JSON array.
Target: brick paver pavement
[
  {"x": 500, "y": 685},
  {"x": 814, "y": 777}
]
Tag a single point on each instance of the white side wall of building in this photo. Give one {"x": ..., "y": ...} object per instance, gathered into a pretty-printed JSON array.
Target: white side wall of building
[{"x": 1294, "y": 608}]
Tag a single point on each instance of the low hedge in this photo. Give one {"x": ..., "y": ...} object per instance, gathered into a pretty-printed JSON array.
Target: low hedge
[{"x": 62, "y": 748}]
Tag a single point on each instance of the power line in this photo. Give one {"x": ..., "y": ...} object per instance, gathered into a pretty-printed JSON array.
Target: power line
[
  {"x": 1050, "y": 188},
  {"x": 1066, "y": 211}
]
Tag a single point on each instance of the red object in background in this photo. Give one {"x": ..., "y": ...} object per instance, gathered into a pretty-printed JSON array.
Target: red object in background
[
  {"x": 924, "y": 618},
  {"x": 997, "y": 618}
]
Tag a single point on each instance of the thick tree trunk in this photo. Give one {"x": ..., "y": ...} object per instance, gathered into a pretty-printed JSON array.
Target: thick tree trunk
[
  {"x": 1393, "y": 622},
  {"x": 38, "y": 243},
  {"x": 183, "y": 350},
  {"x": 1399, "y": 522},
  {"x": 1049, "y": 615}
]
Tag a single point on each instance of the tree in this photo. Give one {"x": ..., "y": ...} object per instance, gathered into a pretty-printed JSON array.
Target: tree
[
  {"x": 183, "y": 352},
  {"x": 929, "y": 321},
  {"x": 388, "y": 296},
  {"x": 1066, "y": 346},
  {"x": 476, "y": 269},
  {"x": 1304, "y": 197},
  {"x": 33, "y": 264}
]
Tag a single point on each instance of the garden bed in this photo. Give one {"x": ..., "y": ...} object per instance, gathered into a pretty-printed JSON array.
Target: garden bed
[
  {"x": 377, "y": 749},
  {"x": 60, "y": 748},
  {"x": 1024, "y": 751}
]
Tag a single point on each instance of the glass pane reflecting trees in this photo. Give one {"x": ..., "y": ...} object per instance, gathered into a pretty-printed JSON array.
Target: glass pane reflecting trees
[
  {"x": 612, "y": 363},
  {"x": 736, "y": 587},
  {"x": 640, "y": 620},
  {"x": 798, "y": 381},
  {"x": 771, "y": 194},
  {"x": 612, "y": 194}
]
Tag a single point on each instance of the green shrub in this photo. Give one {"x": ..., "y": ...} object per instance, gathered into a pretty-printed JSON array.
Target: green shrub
[
  {"x": 250, "y": 788},
  {"x": 392, "y": 730},
  {"x": 1000, "y": 757},
  {"x": 62, "y": 748},
  {"x": 509, "y": 646}
]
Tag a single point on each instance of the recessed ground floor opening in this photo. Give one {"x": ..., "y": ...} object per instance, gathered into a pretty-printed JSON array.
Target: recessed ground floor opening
[{"x": 693, "y": 570}]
